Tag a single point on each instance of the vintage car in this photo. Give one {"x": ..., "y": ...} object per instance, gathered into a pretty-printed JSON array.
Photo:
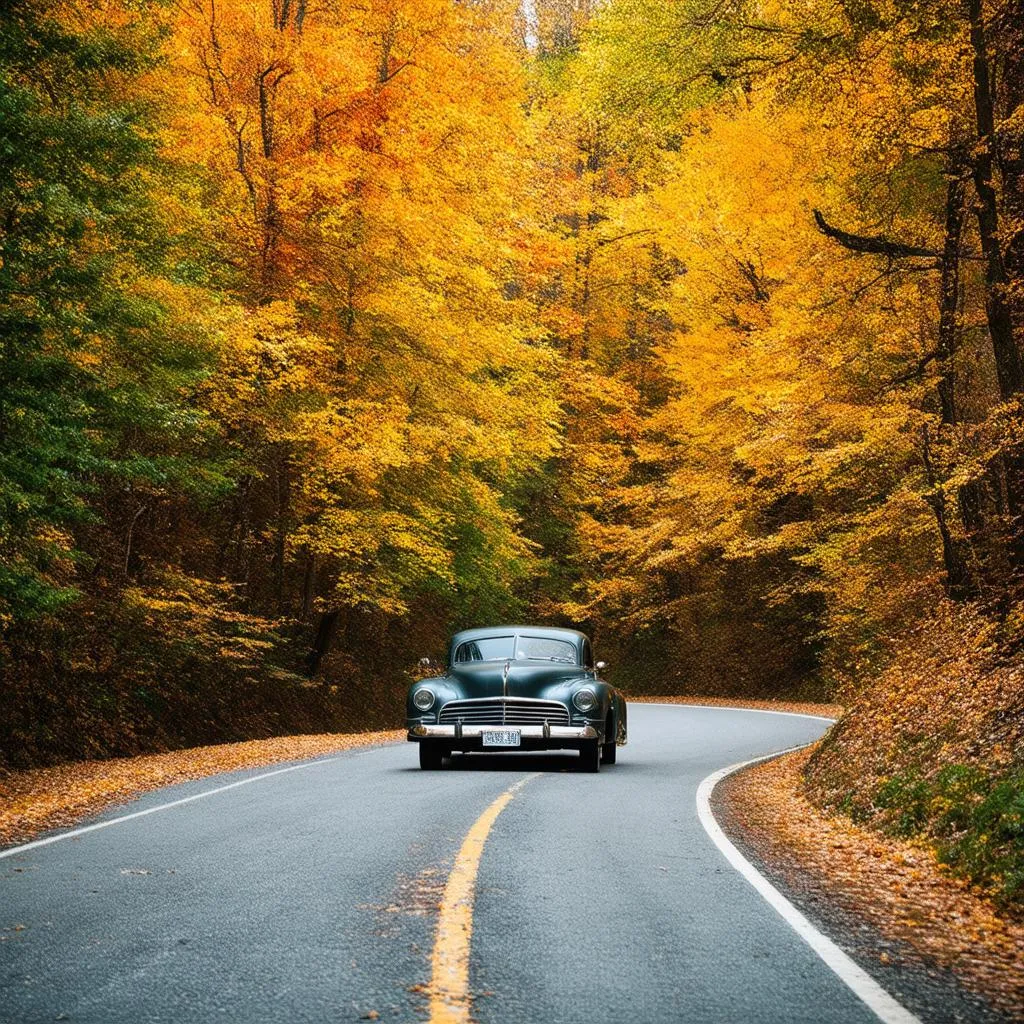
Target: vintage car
[{"x": 517, "y": 688}]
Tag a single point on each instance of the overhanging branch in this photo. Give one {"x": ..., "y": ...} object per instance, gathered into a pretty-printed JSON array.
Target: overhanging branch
[{"x": 877, "y": 244}]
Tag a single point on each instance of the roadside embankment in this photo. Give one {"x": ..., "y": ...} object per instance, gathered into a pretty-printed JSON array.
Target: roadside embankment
[
  {"x": 892, "y": 899},
  {"x": 932, "y": 750}
]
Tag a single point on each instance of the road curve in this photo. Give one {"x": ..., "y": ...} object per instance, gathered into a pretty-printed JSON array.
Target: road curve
[{"x": 312, "y": 895}]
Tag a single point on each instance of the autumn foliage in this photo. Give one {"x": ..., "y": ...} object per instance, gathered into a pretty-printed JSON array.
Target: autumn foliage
[{"x": 330, "y": 327}]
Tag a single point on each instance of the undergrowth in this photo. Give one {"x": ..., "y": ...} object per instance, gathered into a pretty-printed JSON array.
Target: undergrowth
[{"x": 933, "y": 751}]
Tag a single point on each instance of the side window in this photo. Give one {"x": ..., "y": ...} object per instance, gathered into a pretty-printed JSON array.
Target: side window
[
  {"x": 588, "y": 657},
  {"x": 468, "y": 652}
]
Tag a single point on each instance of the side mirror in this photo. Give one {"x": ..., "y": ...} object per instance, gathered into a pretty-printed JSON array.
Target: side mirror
[{"x": 601, "y": 665}]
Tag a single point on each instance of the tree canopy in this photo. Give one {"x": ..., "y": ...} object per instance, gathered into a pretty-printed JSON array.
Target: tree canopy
[{"x": 329, "y": 328}]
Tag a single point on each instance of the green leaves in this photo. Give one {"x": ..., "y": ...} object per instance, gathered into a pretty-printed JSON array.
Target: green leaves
[{"x": 93, "y": 373}]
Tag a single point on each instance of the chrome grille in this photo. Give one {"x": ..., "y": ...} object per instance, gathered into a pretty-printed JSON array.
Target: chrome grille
[{"x": 504, "y": 711}]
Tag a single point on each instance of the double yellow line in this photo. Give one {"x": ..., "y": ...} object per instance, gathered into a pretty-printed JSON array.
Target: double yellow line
[{"x": 449, "y": 983}]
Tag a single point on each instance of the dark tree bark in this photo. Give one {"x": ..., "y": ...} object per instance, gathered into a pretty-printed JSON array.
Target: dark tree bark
[
  {"x": 1004, "y": 322},
  {"x": 1009, "y": 370},
  {"x": 969, "y": 495},
  {"x": 267, "y": 82},
  {"x": 959, "y": 581},
  {"x": 877, "y": 244},
  {"x": 326, "y": 631},
  {"x": 949, "y": 297},
  {"x": 282, "y": 500},
  {"x": 309, "y": 584},
  {"x": 282, "y": 12},
  {"x": 1009, "y": 149}
]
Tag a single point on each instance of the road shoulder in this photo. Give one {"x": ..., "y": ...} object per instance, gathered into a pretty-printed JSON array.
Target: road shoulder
[
  {"x": 941, "y": 949},
  {"x": 41, "y": 799}
]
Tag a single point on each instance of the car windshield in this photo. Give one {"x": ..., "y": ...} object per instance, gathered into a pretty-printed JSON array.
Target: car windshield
[
  {"x": 488, "y": 648},
  {"x": 523, "y": 648}
]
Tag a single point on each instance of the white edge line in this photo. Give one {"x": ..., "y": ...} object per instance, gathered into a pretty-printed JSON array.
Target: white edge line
[
  {"x": 883, "y": 1005},
  {"x": 727, "y": 707},
  {"x": 36, "y": 843}
]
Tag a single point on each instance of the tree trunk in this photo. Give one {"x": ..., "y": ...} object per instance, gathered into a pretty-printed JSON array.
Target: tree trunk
[
  {"x": 326, "y": 631},
  {"x": 1003, "y": 330},
  {"x": 281, "y": 530},
  {"x": 309, "y": 585},
  {"x": 959, "y": 582},
  {"x": 1009, "y": 151},
  {"x": 1009, "y": 371},
  {"x": 266, "y": 114},
  {"x": 969, "y": 495},
  {"x": 949, "y": 298}
]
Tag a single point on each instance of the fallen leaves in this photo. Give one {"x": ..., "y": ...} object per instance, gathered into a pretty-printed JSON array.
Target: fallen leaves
[
  {"x": 897, "y": 887},
  {"x": 933, "y": 749},
  {"x": 44, "y": 798}
]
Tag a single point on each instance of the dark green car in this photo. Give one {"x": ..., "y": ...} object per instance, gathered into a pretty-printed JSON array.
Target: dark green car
[{"x": 518, "y": 688}]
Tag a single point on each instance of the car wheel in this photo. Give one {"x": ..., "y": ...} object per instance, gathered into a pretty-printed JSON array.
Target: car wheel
[
  {"x": 590, "y": 756},
  {"x": 431, "y": 756},
  {"x": 608, "y": 752}
]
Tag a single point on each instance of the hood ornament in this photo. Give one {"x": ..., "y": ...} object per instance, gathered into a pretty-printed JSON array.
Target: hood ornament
[{"x": 504, "y": 677}]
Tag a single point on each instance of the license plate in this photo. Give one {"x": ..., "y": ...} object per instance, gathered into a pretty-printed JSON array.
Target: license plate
[{"x": 500, "y": 737}]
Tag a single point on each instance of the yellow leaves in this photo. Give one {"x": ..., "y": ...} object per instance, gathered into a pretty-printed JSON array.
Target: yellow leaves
[
  {"x": 195, "y": 615},
  {"x": 780, "y": 410}
]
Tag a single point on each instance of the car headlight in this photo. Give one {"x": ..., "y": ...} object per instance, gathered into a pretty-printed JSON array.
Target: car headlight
[
  {"x": 585, "y": 700},
  {"x": 423, "y": 699}
]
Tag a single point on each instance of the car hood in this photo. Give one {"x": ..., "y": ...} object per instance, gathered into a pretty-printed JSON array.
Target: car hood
[{"x": 485, "y": 678}]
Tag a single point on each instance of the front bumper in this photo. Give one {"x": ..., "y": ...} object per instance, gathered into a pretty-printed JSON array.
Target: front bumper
[{"x": 533, "y": 737}]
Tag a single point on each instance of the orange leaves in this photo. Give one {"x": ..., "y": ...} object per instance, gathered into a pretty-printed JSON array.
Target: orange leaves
[
  {"x": 375, "y": 369},
  {"x": 895, "y": 886}
]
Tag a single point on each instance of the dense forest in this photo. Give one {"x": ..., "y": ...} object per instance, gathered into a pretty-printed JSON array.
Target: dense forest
[{"x": 328, "y": 326}]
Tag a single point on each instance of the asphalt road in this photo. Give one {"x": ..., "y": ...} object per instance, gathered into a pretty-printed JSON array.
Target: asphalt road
[{"x": 312, "y": 895}]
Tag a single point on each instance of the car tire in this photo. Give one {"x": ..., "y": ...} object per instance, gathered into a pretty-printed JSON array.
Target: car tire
[
  {"x": 431, "y": 757},
  {"x": 608, "y": 751},
  {"x": 590, "y": 756}
]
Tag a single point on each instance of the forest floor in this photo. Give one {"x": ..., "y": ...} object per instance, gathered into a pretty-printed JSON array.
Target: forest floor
[{"x": 900, "y": 905}]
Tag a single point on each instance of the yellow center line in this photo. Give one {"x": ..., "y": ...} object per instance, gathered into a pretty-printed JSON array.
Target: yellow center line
[{"x": 449, "y": 982}]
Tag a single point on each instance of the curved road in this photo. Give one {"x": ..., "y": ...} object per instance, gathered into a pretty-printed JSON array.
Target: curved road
[{"x": 312, "y": 895}]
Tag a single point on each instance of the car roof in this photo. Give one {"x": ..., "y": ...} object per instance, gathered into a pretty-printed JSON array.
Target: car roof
[{"x": 573, "y": 636}]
